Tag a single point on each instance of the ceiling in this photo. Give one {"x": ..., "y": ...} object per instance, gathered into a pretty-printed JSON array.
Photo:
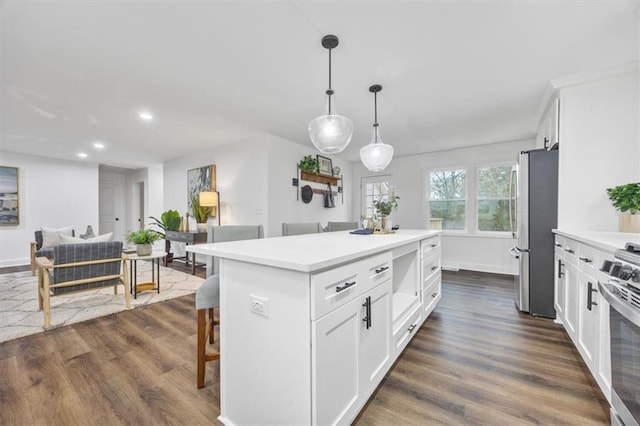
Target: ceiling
[{"x": 214, "y": 72}]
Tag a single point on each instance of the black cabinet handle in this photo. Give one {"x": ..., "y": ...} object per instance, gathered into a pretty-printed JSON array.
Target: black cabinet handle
[
  {"x": 410, "y": 329},
  {"x": 590, "y": 291},
  {"x": 568, "y": 250},
  {"x": 345, "y": 286},
  {"x": 560, "y": 265},
  {"x": 434, "y": 245},
  {"x": 433, "y": 268},
  {"x": 558, "y": 245},
  {"x": 434, "y": 295},
  {"x": 585, "y": 259},
  {"x": 367, "y": 312},
  {"x": 384, "y": 268}
]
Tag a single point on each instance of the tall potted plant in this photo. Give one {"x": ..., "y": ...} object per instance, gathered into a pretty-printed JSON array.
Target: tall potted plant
[
  {"x": 200, "y": 213},
  {"x": 626, "y": 199},
  {"x": 169, "y": 221}
]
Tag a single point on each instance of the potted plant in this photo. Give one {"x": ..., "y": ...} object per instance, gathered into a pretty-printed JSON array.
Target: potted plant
[
  {"x": 143, "y": 239},
  {"x": 384, "y": 207},
  {"x": 308, "y": 164},
  {"x": 200, "y": 213},
  {"x": 169, "y": 221},
  {"x": 626, "y": 199}
]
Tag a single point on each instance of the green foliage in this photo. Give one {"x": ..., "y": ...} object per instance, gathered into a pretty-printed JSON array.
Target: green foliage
[
  {"x": 200, "y": 213},
  {"x": 169, "y": 221},
  {"x": 385, "y": 206},
  {"x": 308, "y": 164},
  {"x": 625, "y": 198},
  {"x": 144, "y": 236}
]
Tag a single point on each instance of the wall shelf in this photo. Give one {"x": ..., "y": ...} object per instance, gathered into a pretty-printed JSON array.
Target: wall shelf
[
  {"x": 317, "y": 178},
  {"x": 312, "y": 177}
]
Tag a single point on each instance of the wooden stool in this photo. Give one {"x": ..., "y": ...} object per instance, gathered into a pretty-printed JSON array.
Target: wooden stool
[{"x": 207, "y": 299}]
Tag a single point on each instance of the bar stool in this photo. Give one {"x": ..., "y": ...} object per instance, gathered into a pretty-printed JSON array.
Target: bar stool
[{"x": 207, "y": 299}]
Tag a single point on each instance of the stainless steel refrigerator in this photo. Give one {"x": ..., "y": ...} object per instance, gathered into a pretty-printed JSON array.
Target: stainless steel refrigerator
[{"x": 534, "y": 189}]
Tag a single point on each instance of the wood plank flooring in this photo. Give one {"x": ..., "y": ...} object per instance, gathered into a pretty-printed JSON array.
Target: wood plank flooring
[{"x": 475, "y": 361}]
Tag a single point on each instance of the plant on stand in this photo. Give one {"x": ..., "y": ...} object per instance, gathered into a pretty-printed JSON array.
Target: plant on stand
[
  {"x": 200, "y": 213},
  {"x": 384, "y": 207},
  {"x": 626, "y": 199},
  {"x": 169, "y": 221},
  {"x": 143, "y": 239}
]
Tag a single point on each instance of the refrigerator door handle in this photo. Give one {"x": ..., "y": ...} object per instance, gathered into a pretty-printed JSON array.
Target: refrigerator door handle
[{"x": 511, "y": 200}]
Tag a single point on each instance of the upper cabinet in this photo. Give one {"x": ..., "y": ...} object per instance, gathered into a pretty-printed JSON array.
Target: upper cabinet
[{"x": 549, "y": 125}]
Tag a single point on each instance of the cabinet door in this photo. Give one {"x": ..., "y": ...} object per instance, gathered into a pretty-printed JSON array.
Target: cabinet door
[
  {"x": 589, "y": 319},
  {"x": 559, "y": 298},
  {"x": 604, "y": 354},
  {"x": 375, "y": 339},
  {"x": 572, "y": 299},
  {"x": 335, "y": 382}
]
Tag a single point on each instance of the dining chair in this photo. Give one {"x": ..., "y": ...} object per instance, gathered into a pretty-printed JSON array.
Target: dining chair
[
  {"x": 342, "y": 226},
  {"x": 299, "y": 228}
]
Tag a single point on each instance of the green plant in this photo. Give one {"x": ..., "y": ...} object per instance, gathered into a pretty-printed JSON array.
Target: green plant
[
  {"x": 200, "y": 213},
  {"x": 384, "y": 207},
  {"x": 625, "y": 198},
  {"x": 144, "y": 236},
  {"x": 169, "y": 221},
  {"x": 308, "y": 164}
]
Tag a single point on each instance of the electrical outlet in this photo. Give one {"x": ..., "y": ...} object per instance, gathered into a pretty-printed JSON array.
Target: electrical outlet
[{"x": 259, "y": 305}]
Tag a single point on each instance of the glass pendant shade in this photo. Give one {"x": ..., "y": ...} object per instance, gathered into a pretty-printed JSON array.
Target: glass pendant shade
[
  {"x": 377, "y": 155},
  {"x": 330, "y": 133}
]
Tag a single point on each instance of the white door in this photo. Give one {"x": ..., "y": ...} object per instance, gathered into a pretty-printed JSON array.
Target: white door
[
  {"x": 375, "y": 346},
  {"x": 111, "y": 200},
  {"x": 371, "y": 189}
]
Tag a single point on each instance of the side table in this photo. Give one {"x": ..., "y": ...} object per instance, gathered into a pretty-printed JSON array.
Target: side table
[
  {"x": 155, "y": 258},
  {"x": 193, "y": 237}
]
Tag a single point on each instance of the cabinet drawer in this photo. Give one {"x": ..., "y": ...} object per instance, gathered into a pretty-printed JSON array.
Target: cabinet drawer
[
  {"x": 335, "y": 287},
  {"x": 429, "y": 246},
  {"x": 377, "y": 269},
  {"x": 405, "y": 332},
  {"x": 431, "y": 295},
  {"x": 559, "y": 242},
  {"x": 590, "y": 259},
  {"x": 571, "y": 249},
  {"x": 430, "y": 268}
]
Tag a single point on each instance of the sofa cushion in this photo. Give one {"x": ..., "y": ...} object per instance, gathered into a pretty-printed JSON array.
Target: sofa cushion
[
  {"x": 51, "y": 236},
  {"x": 65, "y": 239}
]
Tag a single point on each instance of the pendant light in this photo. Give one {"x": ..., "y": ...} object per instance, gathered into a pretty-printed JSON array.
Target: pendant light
[
  {"x": 330, "y": 133},
  {"x": 377, "y": 155}
]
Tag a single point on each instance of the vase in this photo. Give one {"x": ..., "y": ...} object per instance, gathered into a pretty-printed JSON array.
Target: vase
[
  {"x": 144, "y": 249},
  {"x": 201, "y": 227},
  {"x": 629, "y": 222},
  {"x": 385, "y": 224}
]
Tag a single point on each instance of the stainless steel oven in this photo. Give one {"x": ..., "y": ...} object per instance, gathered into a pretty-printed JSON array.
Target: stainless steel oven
[{"x": 622, "y": 291}]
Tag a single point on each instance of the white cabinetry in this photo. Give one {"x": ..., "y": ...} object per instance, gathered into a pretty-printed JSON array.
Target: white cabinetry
[
  {"x": 588, "y": 320},
  {"x": 548, "y": 129}
]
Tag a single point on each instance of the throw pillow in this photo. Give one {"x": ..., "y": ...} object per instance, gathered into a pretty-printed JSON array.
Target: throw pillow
[
  {"x": 64, "y": 239},
  {"x": 51, "y": 236}
]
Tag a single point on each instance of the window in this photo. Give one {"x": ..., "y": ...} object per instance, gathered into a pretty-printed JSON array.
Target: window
[
  {"x": 494, "y": 199},
  {"x": 373, "y": 189},
  {"x": 447, "y": 199}
]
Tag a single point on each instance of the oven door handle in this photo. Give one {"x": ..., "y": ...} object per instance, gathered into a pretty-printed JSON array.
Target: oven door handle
[{"x": 608, "y": 291}]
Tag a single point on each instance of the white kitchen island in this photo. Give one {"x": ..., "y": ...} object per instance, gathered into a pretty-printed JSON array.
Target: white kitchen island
[{"x": 310, "y": 324}]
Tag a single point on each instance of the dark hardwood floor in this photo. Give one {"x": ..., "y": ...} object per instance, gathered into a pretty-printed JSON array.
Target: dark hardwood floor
[{"x": 475, "y": 361}]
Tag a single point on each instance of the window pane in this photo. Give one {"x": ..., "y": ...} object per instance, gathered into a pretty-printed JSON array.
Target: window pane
[
  {"x": 493, "y": 215},
  {"x": 493, "y": 182},
  {"x": 452, "y": 213},
  {"x": 447, "y": 185}
]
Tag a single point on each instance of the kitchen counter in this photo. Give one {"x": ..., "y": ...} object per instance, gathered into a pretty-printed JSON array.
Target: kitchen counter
[
  {"x": 310, "y": 252},
  {"x": 607, "y": 241}
]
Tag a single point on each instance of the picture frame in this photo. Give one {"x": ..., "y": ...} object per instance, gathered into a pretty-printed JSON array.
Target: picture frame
[
  {"x": 325, "y": 166},
  {"x": 198, "y": 180},
  {"x": 9, "y": 196}
]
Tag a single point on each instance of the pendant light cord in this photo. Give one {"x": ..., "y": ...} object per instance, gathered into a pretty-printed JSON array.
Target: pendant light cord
[
  {"x": 375, "y": 114},
  {"x": 329, "y": 91}
]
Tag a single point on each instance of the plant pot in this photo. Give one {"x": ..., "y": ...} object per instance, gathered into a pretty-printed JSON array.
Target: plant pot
[
  {"x": 629, "y": 222},
  {"x": 144, "y": 249},
  {"x": 201, "y": 227}
]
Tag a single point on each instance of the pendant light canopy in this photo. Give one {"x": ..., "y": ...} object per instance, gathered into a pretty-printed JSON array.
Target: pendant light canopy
[
  {"x": 330, "y": 133},
  {"x": 377, "y": 155}
]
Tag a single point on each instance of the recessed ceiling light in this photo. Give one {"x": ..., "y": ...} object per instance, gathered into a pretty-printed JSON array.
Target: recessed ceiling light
[
  {"x": 82, "y": 155},
  {"x": 98, "y": 145},
  {"x": 146, "y": 116}
]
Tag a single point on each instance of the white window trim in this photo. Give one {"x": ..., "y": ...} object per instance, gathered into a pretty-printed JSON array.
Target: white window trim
[
  {"x": 497, "y": 234},
  {"x": 371, "y": 179},
  {"x": 427, "y": 182}
]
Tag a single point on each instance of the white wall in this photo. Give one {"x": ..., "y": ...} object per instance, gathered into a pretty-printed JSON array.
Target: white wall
[
  {"x": 53, "y": 193},
  {"x": 409, "y": 174},
  {"x": 283, "y": 206},
  {"x": 599, "y": 149}
]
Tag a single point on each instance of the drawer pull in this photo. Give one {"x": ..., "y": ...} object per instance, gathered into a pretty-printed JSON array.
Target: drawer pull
[
  {"x": 433, "y": 295},
  {"x": 433, "y": 268},
  {"x": 558, "y": 245},
  {"x": 384, "y": 268},
  {"x": 434, "y": 245},
  {"x": 367, "y": 308},
  {"x": 410, "y": 329},
  {"x": 585, "y": 259},
  {"x": 568, "y": 250},
  {"x": 345, "y": 286},
  {"x": 590, "y": 291}
]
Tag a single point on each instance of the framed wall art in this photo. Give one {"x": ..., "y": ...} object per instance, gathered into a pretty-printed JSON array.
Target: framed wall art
[
  {"x": 198, "y": 180},
  {"x": 325, "y": 166},
  {"x": 9, "y": 196}
]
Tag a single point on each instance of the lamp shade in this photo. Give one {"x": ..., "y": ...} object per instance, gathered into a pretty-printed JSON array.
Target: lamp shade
[
  {"x": 377, "y": 155},
  {"x": 209, "y": 199},
  {"x": 330, "y": 134}
]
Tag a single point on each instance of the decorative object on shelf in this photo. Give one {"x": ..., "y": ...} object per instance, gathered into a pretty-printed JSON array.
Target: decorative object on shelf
[
  {"x": 325, "y": 166},
  {"x": 211, "y": 199},
  {"x": 88, "y": 233},
  {"x": 10, "y": 199},
  {"x": 384, "y": 207},
  {"x": 377, "y": 155},
  {"x": 200, "y": 213},
  {"x": 143, "y": 239},
  {"x": 330, "y": 133},
  {"x": 308, "y": 164},
  {"x": 626, "y": 199},
  {"x": 336, "y": 170},
  {"x": 186, "y": 222},
  {"x": 307, "y": 194},
  {"x": 329, "y": 202}
]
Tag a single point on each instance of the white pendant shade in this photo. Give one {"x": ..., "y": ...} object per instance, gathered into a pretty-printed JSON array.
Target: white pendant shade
[
  {"x": 377, "y": 155},
  {"x": 330, "y": 134}
]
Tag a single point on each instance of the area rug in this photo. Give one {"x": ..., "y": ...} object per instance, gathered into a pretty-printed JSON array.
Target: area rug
[{"x": 19, "y": 314}]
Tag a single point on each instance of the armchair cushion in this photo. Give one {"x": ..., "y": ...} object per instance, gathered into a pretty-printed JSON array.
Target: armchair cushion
[
  {"x": 51, "y": 236},
  {"x": 65, "y": 239}
]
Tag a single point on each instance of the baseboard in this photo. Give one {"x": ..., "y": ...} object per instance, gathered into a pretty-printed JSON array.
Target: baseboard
[
  {"x": 479, "y": 267},
  {"x": 5, "y": 263}
]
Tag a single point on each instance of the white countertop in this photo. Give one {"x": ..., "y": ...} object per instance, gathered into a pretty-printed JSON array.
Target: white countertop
[
  {"x": 310, "y": 252},
  {"x": 607, "y": 241}
]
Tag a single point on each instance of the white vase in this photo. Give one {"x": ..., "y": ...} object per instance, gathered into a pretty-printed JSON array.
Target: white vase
[
  {"x": 629, "y": 222},
  {"x": 201, "y": 227}
]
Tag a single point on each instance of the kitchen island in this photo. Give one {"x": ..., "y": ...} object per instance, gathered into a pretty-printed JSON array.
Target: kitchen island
[{"x": 310, "y": 324}]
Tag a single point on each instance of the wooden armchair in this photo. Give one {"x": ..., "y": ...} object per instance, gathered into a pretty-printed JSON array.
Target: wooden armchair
[
  {"x": 81, "y": 267},
  {"x": 36, "y": 249}
]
